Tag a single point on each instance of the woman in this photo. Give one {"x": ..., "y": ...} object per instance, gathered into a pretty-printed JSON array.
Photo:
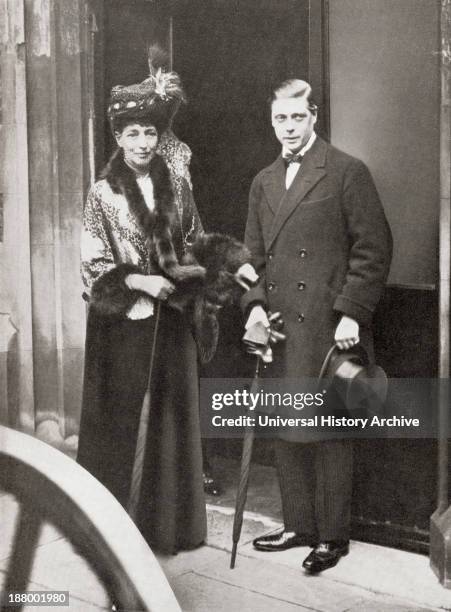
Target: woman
[{"x": 138, "y": 221}]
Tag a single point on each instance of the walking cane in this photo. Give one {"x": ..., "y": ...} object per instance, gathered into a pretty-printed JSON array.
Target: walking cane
[
  {"x": 141, "y": 441},
  {"x": 257, "y": 337}
]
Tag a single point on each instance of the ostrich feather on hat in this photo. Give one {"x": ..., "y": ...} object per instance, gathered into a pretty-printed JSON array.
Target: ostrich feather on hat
[
  {"x": 162, "y": 89},
  {"x": 166, "y": 82}
]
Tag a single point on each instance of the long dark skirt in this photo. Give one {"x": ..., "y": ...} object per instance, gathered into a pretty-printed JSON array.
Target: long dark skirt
[{"x": 171, "y": 510}]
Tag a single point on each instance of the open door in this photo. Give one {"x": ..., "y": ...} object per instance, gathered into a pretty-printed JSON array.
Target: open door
[{"x": 228, "y": 54}]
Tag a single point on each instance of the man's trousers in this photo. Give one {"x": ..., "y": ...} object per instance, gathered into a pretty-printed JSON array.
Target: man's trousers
[{"x": 316, "y": 485}]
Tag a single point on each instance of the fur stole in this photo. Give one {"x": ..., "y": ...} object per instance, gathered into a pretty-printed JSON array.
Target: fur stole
[
  {"x": 204, "y": 278},
  {"x": 110, "y": 295},
  {"x": 221, "y": 256},
  {"x": 156, "y": 224}
]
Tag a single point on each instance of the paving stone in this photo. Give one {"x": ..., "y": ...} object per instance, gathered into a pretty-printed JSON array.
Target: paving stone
[
  {"x": 76, "y": 604},
  {"x": 199, "y": 594},
  {"x": 284, "y": 583},
  {"x": 381, "y": 605},
  {"x": 220, "y": 527},
  {"x": 57, "y": 566},
  {"x": 9, "y": 509},
  {"x": 188, "y": 561},
  {"x": 376, "y": 569}
]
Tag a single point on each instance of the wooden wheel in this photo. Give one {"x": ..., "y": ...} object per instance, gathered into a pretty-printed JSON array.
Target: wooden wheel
[{"x": 51, "y": 487}]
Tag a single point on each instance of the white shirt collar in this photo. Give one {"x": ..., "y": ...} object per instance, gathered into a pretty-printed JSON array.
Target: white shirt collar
[{"x": 304, "y": 149}]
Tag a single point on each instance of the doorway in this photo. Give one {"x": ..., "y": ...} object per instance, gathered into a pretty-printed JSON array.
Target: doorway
[{"x": 229, "y": 54}]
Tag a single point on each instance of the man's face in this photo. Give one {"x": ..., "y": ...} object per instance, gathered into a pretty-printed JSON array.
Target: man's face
[{"x": 293, "y": 122}]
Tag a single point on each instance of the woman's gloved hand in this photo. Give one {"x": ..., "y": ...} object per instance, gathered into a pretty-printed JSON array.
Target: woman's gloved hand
[{"x": 154, "y": 285}]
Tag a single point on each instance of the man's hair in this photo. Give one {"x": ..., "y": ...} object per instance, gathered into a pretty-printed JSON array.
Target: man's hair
[{"x": 294, "y": 88}]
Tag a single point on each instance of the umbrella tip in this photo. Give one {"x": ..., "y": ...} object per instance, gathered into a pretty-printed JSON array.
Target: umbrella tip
[{"x": 232, "y": 560}]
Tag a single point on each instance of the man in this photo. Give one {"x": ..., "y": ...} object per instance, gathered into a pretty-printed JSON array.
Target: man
[{"x": 322, "y": 248}]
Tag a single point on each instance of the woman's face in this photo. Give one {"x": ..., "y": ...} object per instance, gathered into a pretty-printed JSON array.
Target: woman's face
[{"x": 138, "y": 143}]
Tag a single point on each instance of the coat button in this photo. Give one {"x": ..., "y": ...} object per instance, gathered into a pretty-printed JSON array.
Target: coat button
[
  {"x": 271, "y": 286},
  {"x": 302, "y": 253},
  {"x": 270, "y": 255},
  {"x": 301, "y": 286},
  {"x": 301, "y": 318}
]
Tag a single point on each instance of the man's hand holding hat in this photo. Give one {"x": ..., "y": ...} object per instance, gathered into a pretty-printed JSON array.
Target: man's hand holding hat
[{"x": 347, "y": 333}]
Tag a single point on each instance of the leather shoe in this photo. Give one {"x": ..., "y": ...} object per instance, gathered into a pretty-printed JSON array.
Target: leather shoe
[
  {"x": 282, "y": 540},
  {"x": 325, "y": 555}
]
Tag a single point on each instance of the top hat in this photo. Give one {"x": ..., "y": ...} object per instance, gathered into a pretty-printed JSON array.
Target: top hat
[{"x": 359, "y": 383}]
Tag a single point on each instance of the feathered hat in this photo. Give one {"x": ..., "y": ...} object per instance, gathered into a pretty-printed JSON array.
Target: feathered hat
[{"x": 159, "y": 95}]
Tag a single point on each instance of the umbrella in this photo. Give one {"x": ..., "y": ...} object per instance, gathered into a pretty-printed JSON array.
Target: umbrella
[
  {"x": 246, "y": 456},
  {"x": 257, "y": 338}
]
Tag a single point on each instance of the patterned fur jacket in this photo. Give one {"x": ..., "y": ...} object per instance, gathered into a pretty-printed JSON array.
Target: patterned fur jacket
[{"x": 122, "y": 235}]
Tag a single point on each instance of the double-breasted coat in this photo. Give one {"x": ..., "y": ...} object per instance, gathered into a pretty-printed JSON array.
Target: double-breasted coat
[{"x": 322, "y": 248}]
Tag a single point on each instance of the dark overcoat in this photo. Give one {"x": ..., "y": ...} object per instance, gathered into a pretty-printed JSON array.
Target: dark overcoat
[{"x": 322, "y": 248}]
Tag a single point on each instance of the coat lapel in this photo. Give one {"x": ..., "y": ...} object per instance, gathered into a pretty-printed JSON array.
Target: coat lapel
[
  {"x": 312, "y": 170},
  {"x": 274, "y": 184}
]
